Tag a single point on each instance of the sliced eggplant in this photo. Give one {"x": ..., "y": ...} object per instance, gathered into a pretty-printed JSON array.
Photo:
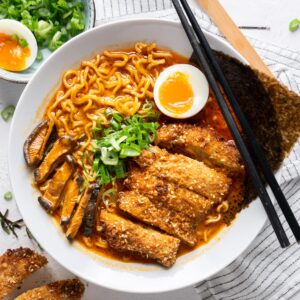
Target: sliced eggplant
[
  {"x": 89, "y": 218},
  {"x": 71, "y": 198},
  {"x": 60, "y": 149},
  {"x": 55, "y": 186},
  {"x": 77, "y": 218},
  {"x": 35, "y": 144}
]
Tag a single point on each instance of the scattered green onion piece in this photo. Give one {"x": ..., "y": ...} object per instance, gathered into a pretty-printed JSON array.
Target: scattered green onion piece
[
  {"x": 39, "y": 56},
  {"x": 294, "y": 25},
  {"x": 130, "y": 151},
  {"x": 23, "y": 43},
  {"x": 109, "y": 158},
  {"x": 117, "y": 117},
  {"x": 120, "y": 170},
  {"x": 104, "y": 175},
  {"x": 8, "y": 196},
  {"x": 15, "y": 37},
  {"x": 44, "y": 12},
  {"x": 7, "y": 112},
  {"x": 115, "y": 125}
]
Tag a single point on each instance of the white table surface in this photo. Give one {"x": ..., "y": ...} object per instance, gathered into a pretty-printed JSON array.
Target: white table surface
[{"x": 275, "y": 14}]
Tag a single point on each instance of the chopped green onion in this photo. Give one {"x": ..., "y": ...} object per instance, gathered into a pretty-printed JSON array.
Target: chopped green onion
[
  {"x": 294, "y": 25},
  {"x": 130, "y": 151},
  {"x": 8, "y": 196},
  {"x": 39, "y": 56},
  {"x": 104, "y": 175},
  {"x": 117, "y": 117},
  {"x": 23, "y": 43},
  {"x": 120, "y": 170},
  {"x": 7, "y": 112},
  {"x": 15, "y": 37},
  {"x": 46, "y": 18},
  {"x": 115, "y": 125},
  {"x": 109, "y": 158},
  {"x": 123, "y": 138}
]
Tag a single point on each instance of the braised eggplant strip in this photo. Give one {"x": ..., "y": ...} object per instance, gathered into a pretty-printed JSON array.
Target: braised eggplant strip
[
  {"x": 185, "y": 172},
  {"x": 89, "y": 219},
  {"x": 168, "y": 220},
  {"x": 71, "y": 197},
  {"x": 54, "y": 187},
  {"x": 77, "y": 218},
  {"x": 60, "y": 149},
  {"x": 168, "y": 194},
  {"x": 35, "y": 144},
  {"x": 203, "y": 144},
  {"x": 124, "y": 235}
]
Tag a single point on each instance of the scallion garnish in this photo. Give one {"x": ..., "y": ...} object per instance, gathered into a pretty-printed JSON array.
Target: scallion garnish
[
  {"x": 7, "y": 112},
  {"x": 23, "y": 43},
  {"x": 121, "y": 139},
  {"x": 8, "y": 196},
  {"x": 294, "y": 25}
]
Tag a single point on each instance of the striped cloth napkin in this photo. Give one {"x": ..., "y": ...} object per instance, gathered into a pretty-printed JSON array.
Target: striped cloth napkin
[{"x": 264, "y": 271}]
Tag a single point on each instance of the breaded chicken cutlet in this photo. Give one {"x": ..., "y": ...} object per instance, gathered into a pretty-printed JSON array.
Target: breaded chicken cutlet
[
  {"x": 168, "y": 194},
  {"x": 170, "y": 221},
  {"x": 202, "y": 144},
  {"x": 124, "y": 235},
  {"x": 185, "y": 172},
  {"x": 16, "y": 265},
  {"x": 71, "y": 289}
]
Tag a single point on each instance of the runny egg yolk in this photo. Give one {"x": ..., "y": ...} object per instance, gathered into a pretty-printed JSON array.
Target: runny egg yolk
[
  {"x": 176, "y": 93},
  {"x": 12, "y": 55}
]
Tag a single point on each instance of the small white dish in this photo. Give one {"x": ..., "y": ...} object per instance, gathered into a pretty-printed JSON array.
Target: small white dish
[{"x": 189, "y": 269}]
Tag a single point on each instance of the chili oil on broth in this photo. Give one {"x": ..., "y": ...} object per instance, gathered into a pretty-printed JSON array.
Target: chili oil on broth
[{"x": 123, "y": 80}]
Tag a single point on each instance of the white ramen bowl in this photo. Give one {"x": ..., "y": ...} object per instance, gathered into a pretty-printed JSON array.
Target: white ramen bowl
[{"x": 128, "y": 277}]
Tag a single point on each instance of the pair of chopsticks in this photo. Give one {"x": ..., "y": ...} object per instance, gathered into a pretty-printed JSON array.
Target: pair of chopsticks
[{"x": 206, "y": 57}]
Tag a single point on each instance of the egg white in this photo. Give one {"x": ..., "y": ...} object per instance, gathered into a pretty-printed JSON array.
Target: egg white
[
  {"x": 11, "y": 27},
  {"x": 198, "y": 84}
]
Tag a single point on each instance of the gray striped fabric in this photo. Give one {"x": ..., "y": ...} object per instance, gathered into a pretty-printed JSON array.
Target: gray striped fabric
[{"x": 264, "y": 271}]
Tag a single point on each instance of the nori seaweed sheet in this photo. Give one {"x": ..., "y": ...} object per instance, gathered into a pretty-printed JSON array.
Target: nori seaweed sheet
[{"x": 269, "y": 108}]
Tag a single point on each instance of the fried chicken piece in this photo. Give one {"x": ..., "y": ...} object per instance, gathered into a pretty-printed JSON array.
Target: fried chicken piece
[
  {"x": 16, "y": 265},
  {"x": 168, "y": 220},
  {"x": 168, "y": 194},
  {"x": 202, "y": 144},
  {"x": 124, "y": 235},
  {"x": 71, "y": 289},
  {"x": 185, "y": 172}
]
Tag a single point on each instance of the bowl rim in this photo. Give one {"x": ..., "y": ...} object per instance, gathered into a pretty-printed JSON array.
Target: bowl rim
[
  {"x": 58, "y": 259},
  {"x": 26, "y": 80}
]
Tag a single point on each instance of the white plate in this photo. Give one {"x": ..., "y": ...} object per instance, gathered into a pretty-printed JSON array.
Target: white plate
[{"x": 190, "y": 268}]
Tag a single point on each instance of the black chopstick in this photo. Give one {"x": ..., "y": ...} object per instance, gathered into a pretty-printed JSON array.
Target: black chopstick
[
  {"x": 257, "y": 151},
  {"x": 260, "y": 188}
]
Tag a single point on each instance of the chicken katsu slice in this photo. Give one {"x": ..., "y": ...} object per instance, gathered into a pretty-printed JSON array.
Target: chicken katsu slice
[
  {"x": 71, "y": 289},
  {"x": 168, "y": 220},
  {"x": 168, "y": 194},
  {"x": 202, "y": 144},
  {"x": 124, "y": 235},
  {"x": 16, "y": 265},
  {"x": 185, "y": 172}
]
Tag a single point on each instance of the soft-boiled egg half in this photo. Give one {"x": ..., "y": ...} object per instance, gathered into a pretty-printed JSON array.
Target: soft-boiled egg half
[
  {"x": 18, "y": 47},
  {"x": 181, "y": 91}
]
